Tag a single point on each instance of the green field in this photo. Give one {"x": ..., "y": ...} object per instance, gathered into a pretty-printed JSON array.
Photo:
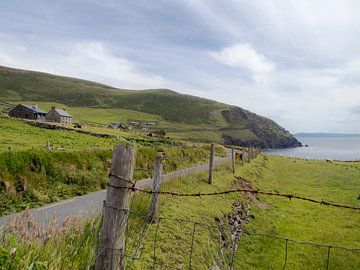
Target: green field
[
  {"x": 20, "y": 136},
  {"x": 96, "y": 120},
  {"x": 302, "y": 221}
]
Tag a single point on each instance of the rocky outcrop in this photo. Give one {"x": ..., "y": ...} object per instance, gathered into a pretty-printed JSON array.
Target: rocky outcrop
[{"x": 250, "y": 129}]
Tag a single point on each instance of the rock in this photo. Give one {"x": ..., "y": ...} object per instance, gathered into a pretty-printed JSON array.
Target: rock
[
  {"x": 6, "y": 186},
  {"x": 22, "y": 184}
]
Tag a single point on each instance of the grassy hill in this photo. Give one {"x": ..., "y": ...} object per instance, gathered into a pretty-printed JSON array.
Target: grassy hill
[{"x": 183, "y": 116}]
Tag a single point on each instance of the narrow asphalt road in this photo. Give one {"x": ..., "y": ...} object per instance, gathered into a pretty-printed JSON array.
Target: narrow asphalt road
[{"x": 91, "y": 203}]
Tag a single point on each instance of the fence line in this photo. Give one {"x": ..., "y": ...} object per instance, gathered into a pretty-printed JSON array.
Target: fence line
[
  {"x": 154, "y": 262},
  {"x": 228, "y": 246},
  {"x": 238, "y": 190}
]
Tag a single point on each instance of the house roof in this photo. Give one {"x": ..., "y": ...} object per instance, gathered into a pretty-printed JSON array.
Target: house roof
[
  {"x": 34, "y": 108},
  {"x": 62, "y": 112}
]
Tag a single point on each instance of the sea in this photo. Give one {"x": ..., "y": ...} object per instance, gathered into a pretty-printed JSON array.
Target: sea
[{"x": 344, "y": 148}]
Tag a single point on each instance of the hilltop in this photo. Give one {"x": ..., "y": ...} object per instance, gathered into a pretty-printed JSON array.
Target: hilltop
[{"x": 180, "y": 115}]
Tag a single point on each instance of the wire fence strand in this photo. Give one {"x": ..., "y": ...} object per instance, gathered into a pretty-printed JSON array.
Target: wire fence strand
[{"x": 240, "y": 190}]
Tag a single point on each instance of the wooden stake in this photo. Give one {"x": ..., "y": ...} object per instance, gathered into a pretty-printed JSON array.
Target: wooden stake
[
  {"x": 242, "y": 155},
  {"x": 211, "y": 163},
  {"x": 111, "y": 253},
  {"x": 151, "y": 218},
  {"x": 233, "y": 160}
]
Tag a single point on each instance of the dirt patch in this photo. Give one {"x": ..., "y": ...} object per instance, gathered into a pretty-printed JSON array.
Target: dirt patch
[
  {"x": 232, "y": 225},
  {"x": 251, "y": 196}
]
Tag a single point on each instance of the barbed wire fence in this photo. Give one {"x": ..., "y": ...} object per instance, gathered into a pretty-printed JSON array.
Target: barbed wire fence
[
  {"x": 139, "y": 231},
  {"x": 135, "y": 247}
]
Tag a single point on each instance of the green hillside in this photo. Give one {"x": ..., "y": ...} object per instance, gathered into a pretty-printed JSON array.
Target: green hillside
[{"x": 182, "y": 116}]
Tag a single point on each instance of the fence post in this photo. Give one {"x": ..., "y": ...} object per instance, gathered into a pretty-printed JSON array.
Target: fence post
[
  {"x": 233, "y": 160},
  {"x": 252, "y": 152},
  {"x": 249, "y": 154},
  {"x": 154, "y": 206},
  {"x": 111, "y": 253},
  {"x": 242, "y": 156},
  {"x": 211, "y": 163}
]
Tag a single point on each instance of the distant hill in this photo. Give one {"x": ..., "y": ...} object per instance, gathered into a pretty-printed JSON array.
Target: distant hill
[
  {"x": 324, "y": 134},
  {"x": 233, "y": 125}
]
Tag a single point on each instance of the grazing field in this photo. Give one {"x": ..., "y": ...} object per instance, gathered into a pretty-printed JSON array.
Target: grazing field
[
  {"x": 96, "y": 120},
  {"x": 336, "y": 182},
  {"x": 21, "y": 136},
  {"x": 103, "y": 116}
]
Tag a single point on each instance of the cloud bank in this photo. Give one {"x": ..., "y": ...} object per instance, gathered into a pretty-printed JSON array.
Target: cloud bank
[{"x": 284, "y": 60}]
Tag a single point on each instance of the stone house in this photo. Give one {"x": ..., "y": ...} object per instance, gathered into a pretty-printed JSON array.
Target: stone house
[
  {"x": 59, "y": 115},
  {"x": 28, "y": 112}
]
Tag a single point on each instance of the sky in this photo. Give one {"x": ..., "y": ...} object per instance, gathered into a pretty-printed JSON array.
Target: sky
[{"x": 296, "y": 62}]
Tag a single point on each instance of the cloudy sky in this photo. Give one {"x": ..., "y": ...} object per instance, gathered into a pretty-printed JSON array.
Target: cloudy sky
[{"x": 297, "y": 62}]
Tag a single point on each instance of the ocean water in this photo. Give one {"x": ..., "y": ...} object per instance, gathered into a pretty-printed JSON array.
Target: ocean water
[{"x": 335, "y": 148}]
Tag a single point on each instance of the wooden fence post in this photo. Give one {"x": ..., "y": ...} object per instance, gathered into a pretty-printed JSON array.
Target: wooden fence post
[
  {"x": 154, "y": 206},
  {"x": 249, "y": 154},
  {"x": 233, "y": 160},
  {"x": 111, "y": 253},
  {"x": 211, "y": 163},
  {"x": 252, "y": 152},
  {"x": 242, "y": 156}
]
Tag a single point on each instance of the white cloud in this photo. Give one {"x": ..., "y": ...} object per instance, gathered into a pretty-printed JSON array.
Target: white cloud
[
  {"x": 243, "y": 55},
  {"x": 92, "y": 60},
  {"x": 86, "y": 60}
]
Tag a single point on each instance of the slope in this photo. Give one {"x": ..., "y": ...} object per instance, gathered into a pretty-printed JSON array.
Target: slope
[{"x": 232, "y": 125}]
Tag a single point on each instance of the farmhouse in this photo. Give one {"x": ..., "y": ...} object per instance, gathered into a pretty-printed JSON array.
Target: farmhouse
[
  {"x": 28, "y": 112},
  {"x": 58, "y": 115},
  {"x": 134, "y": 124}
]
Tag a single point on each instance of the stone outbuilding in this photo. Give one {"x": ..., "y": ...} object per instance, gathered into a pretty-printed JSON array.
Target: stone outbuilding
[
  {"x": 28, "y": 112},
  {"x": 59, "y": 115}
]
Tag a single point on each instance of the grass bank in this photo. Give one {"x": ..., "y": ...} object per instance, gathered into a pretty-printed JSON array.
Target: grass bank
[
  {"x": 74, "y": 245},
  {"x": 35, "y": 177}
]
